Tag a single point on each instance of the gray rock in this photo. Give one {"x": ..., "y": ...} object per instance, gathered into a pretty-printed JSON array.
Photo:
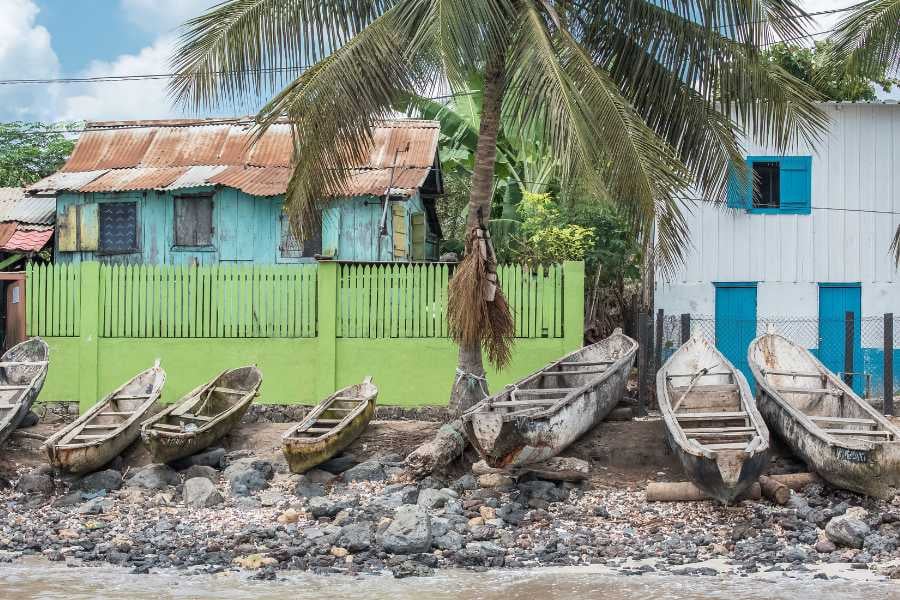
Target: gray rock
[
  {"x": 411, "y": 568},
  {"x": 199, "y": 492},
  {"x": 70, "y": 499},
  {"x": 37, "y": 482},
  {"x": 439, "y": 526},
  {"x": 371, "y": 470},
  {"x": 825, "y": 546},
  {"x": 96, "y": 506},
  {"x": 214, "y": 457},
  {"x": 484, "y": 549},
  {"x": 449, "y": 541},
  {"x": 355, "y": 537},
  {"x": 409, "y": 532},
  {"x": 319, "y": 476},
  {"x": 324, "y": 506},
  {"x": 847, "y": 531},
  {"x": 465, "y": 483},
  {"x": 248, "y": 475},
  {"x": 101, "y": 480},
  {"x": 339, "y": 464},
  {"x": 30, "y": 420},
  {"x": 304, "y": 488},
  {"x": 201, "y": 471},
  {"x": 431, "y": 498},
  {"x": 153, "y": 477}
]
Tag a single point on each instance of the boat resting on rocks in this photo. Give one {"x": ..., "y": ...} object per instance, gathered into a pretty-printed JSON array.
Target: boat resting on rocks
[
  {"x": 837, "y": 433},
  {"x": 540, "y": 415},
  {"x": 109, "y": 427},
  {"x": 330, "y": 427},
  {"x": 711, "y": 420},
  {"x": 23, "y": 369},
  {"x": 203, "y": 416}
]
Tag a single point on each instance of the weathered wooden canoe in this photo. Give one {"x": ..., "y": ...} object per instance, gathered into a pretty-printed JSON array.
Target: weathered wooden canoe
[
  {"x": 23, "y": 369},
  {"x": 539, "y": 416},
  {"x": 110, "y": 426},
  {"x": 203, "y": 416},
  {"x": 330, "y": 427},
  {"x": 822, "y": 420},
  {"x": 712, "y": 423}
]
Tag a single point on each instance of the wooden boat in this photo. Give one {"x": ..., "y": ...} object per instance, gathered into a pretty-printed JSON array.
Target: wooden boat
[
  {"x": 330, "y": 427},
  {"x": 822, "y": 420},
  {"x": 201, "y": 417},
  {"x": 109, "y": 427},
  {"x": 712, "y": 423},
  {"x": 540, "y": 415},
  {"x": 23, "y": 369}
]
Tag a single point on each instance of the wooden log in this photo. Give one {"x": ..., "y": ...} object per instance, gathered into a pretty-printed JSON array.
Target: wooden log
[
  {"x": 774, "y": 490},
  {"x": 445, "y": 447},
  {"x": 796, "y": 481},
  {"x": 560, "y": 468},
  {"x": 685, "y": 491}
]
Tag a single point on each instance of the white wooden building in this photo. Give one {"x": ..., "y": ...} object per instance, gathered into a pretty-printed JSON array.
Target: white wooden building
[{"x": 810, "y": 242}]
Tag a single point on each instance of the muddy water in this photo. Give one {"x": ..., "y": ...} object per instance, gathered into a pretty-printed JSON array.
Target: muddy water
[{"x": 40, "y": 581}]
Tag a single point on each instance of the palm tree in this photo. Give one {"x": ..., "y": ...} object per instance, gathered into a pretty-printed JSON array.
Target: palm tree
[
  {"x": 638, "y": 100},
  {"x": 867, "y": 43}
]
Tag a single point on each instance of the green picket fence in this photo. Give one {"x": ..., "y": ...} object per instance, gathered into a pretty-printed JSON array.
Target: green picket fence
[
  {"x": 208, "y": 301},
  {"x": 410, "y": 301},
  {"x": 53, "y": 300}
]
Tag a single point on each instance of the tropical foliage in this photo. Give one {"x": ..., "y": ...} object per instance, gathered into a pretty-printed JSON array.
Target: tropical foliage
[
  {"x": 32, "y": 151},
  {"x": 813, "y": 65}
]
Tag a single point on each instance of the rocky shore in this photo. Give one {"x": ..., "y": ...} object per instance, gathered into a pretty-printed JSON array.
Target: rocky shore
[{"x": 236, "y": 508}]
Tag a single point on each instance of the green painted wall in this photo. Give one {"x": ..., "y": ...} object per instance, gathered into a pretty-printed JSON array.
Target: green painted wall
[{"x": 409, "y": 371}]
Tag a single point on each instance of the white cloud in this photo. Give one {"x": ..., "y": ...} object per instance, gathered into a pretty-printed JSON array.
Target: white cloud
[
  {"x": 826, "y": 22},
  {"x": 25, "y": 52},
  {"x": 145, "y": 99},
  {"x": 163, "y": 15}
]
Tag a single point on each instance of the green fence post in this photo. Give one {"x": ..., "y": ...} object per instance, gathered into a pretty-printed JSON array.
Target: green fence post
[
  {"x": 326, "y": 304},
  {"x": 88, "y": 343},
  {"x": 573, "y": 305}
]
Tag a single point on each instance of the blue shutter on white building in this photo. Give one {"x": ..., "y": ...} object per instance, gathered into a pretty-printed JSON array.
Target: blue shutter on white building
[
  {"x": 796, "y": 185},
  {"x": 792, "y": 179}
]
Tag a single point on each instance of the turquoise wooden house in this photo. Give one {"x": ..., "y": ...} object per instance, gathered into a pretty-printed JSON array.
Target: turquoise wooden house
[{"x": 189, "y": 192}]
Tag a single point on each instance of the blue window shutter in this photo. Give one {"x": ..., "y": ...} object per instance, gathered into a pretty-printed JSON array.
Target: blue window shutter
[
  {"x": 740, "y": 189},
  {"x": 796, "y": 185}
]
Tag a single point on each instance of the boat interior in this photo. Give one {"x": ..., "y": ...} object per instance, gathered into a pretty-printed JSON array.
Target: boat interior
[
  {"x": 19, "y": 366},
  {"x": 327, "y": 416},
  {"x": 543, "y": 389},
  {"x": 213, "y": 399},
  {"x": 801, "y": 381},
  {"x": 117, "y": 409},
  {"x": 705, "y": 398}
]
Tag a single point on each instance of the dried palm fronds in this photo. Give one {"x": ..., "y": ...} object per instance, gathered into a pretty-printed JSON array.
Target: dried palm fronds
[{"x": 478, "y": 313}]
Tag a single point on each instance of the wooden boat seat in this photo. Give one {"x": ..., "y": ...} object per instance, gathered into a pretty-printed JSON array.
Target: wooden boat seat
[
  {"x": 328, "y": 421},
  {"x": 711, "y": 416},
  {"x": 671, "y": 375},
  {"x": 12, "y": 387},
  {"x": 560, "y": 373},
  {"x": 589, "y": 363},
  {"x": 843, "y": 420},
  {"x": 542, "y": 392},
  {"x": 112, "y": 413},
  {"x": 168, "y": 427},
  {"x": 725, "y": 446},
  {"x": 82, "y": 436},
  {"x": 109, "y": 426},
  {"x": 862, "y": 432},
  {"x": 533, "y": 402},
  {"x": 24, "y": 363},
  {"x": 794, "y": 374},
  {"x": 132, "y": 397},
  {"x": 225, "y": 390},
  {"x": 5, "y": 405},
  {"x": 803, "y": 390},
  {"x": 720, "y": 432},
  {"x": 719, "y": 387},
  {"x": 191, "y": 417},
  {"x": 317, "y": 430}
]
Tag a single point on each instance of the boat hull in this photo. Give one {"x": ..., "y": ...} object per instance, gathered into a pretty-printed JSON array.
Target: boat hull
[
  {"x": 873, "y": 471},
  {"x": 303, "y": 455},
  {"x": 508, "y": 443},
  {"x": 12, "y": 422},
  {"x": 89, "y": 458},
  {"x": 166, "y": 447}
]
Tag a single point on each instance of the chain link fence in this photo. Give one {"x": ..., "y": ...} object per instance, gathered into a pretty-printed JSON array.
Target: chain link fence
[{"x": 828, "y": 340}]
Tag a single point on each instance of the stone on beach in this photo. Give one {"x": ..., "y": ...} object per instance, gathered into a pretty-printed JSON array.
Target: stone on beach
[
  {"x": 101, "y": 480},
  {"x": 847, "y": 530},
  {"x": 248, "y": 475},
  {"x": 409, "y": 532},
  {"x": 153, "y": 477},
  {"x": 214, "y": 457},
  {"x": 200, "y": 492},
  {"x": 38, "y": 481},
  {"x": 371, "y": 470},
  {"x": 201, "y": 471}
]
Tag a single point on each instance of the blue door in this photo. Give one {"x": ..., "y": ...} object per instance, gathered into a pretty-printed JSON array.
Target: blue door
[
  {"x": 736, "y": 323},
  {"x": 835, "y": 300}
]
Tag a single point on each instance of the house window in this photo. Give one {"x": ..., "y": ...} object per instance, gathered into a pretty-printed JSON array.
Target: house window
[
  {"x": 194, "y": 221},
  {"x": 766, "y": 184},
  {"x": 118, "y": 227},
  {"x": 290, "y": 245},
  {"x": 773, "y": 184}
]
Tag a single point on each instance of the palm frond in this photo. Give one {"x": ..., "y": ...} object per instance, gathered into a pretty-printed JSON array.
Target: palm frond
[{"x": 868, "y": 40}]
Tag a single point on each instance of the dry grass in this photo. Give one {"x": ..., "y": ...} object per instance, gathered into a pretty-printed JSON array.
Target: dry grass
[{"x": 473, "y": 320}]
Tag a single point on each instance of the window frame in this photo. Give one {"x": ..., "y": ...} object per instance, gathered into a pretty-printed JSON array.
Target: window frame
[
  {"x": 211, "y": 247},
  {"x": 100, "y": 251},
  {"x": 777, "y": 167},
  {"x": 796, "y": 203}
]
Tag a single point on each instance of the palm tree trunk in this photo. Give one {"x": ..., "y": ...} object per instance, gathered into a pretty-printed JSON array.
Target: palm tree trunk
[{"x": 470, "y": 385}]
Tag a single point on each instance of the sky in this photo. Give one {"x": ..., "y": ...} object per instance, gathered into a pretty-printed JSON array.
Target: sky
[{"x": 86, "y": 38}]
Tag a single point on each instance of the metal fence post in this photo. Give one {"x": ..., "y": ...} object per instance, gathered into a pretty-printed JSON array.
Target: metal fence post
[
  {"x": 848, "y": 348},
  {"x": 643, "y": 364},
  {"x": 685, "y": 327},
  {"x": 657, "y": 350},
  {"x": 888, "y": 407}
]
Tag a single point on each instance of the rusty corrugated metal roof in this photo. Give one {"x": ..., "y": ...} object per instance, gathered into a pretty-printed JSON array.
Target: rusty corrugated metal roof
[
  {"x": 16, "y": 206},
  {"x": 375, "y": 182},
  {"x": 174, "y": 154},
  {"x": 27, "y": 240}
]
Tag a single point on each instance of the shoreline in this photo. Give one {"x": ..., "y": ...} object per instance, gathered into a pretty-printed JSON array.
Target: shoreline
[{"x": 248, "y": 513}]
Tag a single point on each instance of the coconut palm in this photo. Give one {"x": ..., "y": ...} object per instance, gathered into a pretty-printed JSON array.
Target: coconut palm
[
  {"x": 867, "y": 43},
  {"x": 638, "y": 100}
]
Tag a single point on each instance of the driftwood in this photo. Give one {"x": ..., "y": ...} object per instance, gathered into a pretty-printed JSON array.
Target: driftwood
[
  {"x": 29, "y": 435},
  {"x": 774, "y": 490},
  {"x": 446, "y": 446},
  {"x": 683, "y": 491}
]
